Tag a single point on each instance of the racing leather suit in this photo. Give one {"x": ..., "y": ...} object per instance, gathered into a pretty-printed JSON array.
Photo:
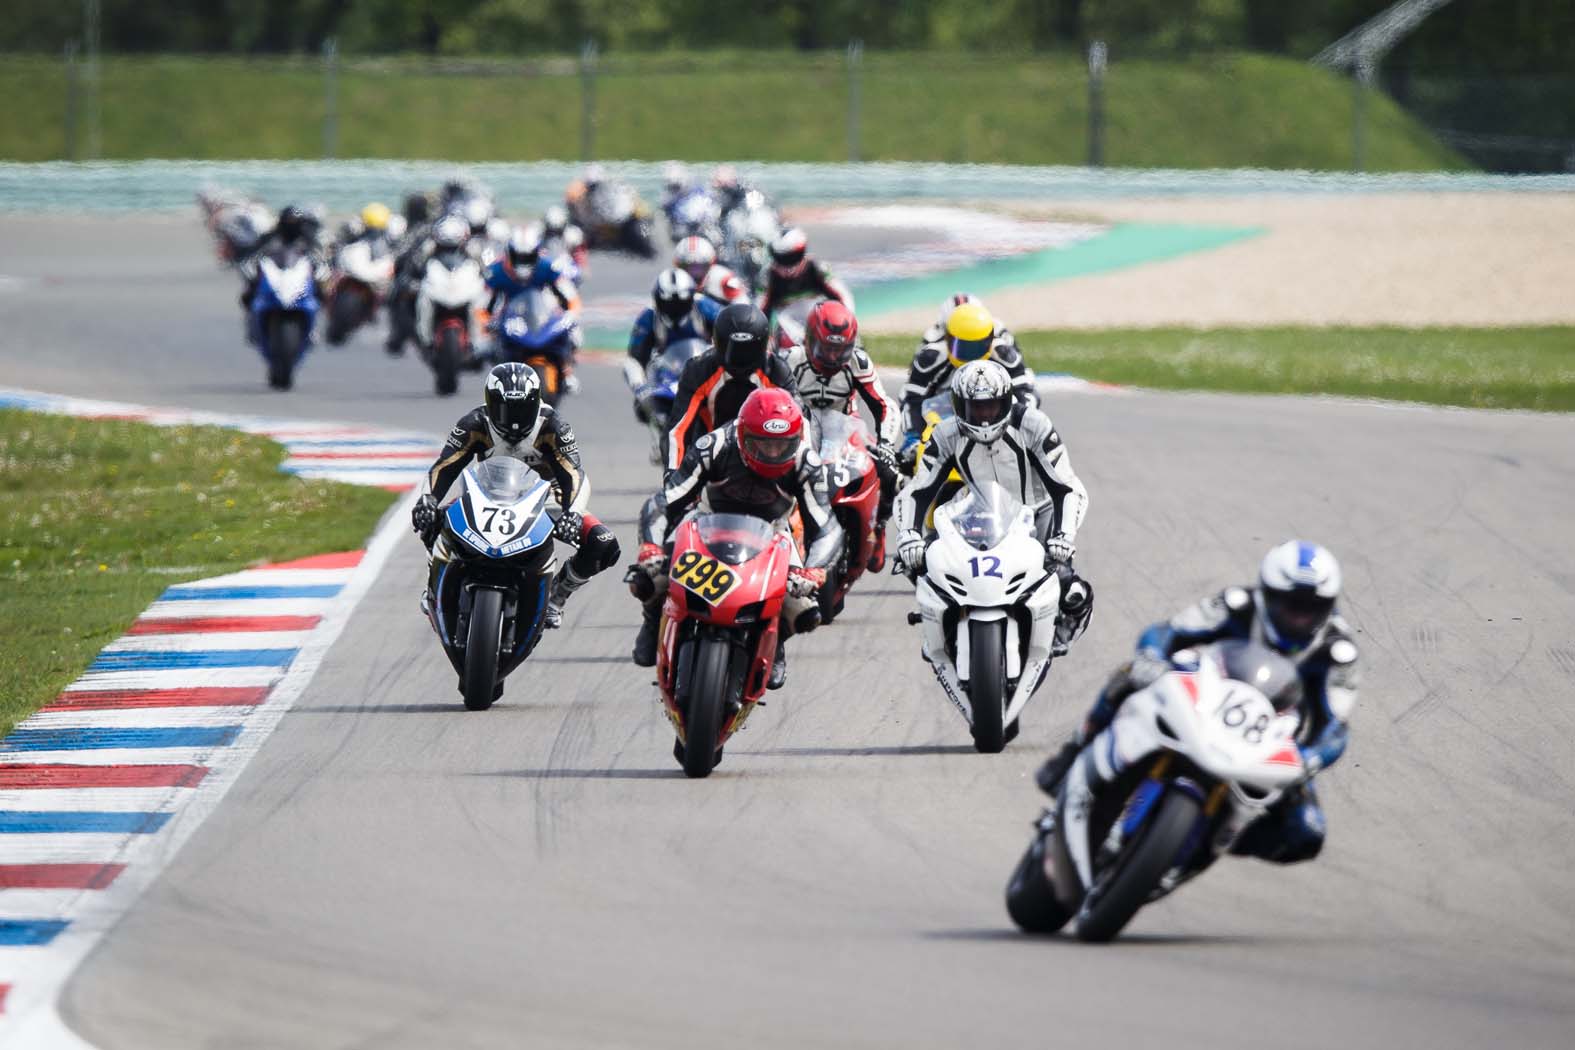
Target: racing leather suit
[
  {"x": 812, "y": 279},
  {"x": 857, "y": 378},
  {"x": 555, "y": 274},
  {"x": 1293, "y": 828},
  {"x": 708, "y": 397},
  {"x": 273, "y": 241},
  {"x": 714, "y": 468},
  {"x": 932, "y": 368},
  {"x": 554, "y": 454},
  {"x": 1030, "y": 461},
  {"x": 653, "y": 334}
]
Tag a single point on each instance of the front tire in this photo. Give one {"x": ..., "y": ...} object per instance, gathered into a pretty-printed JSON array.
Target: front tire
[
  {"x": 1030, "y": 899},
  {"x": 987, "y": 683},
  {"x": 286, "y": 338},
  {"x": 707, "y": 699},
  {"x": 345, "y": 314},
  {"x": 481, "y": 648},
  {"x": 445, "y": 361},
  {"x": 1154, "y": 854}
]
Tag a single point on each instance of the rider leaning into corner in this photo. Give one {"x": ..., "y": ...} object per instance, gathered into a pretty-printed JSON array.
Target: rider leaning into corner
[
  {"x": 1291, "y": 610},
  {"x": 794, "y": 275},
  {"x": 760, "y": 464},
  {"x": 990, "y": 438},
  {"x": 832, "y": 372},
  {"x": 964, "y": 332},
  {"x": 513, "y": 422}
]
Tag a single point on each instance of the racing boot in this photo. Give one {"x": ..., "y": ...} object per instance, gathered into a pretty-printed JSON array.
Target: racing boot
[
  {"x": 1077, "y": 605},
  {"x": 564, "y": 584},
  {"x": 645, "y": 641},
  {"x": 779, "y": 666},
  {"x": 1050, "y": 775}
]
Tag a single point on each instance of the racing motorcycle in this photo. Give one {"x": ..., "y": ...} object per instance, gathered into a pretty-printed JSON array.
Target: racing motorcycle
[
  {"x": 988, "y": 608},
  {"x": 451, "y": 294},
  {"x": 614, "y": 217},
  {"x": 492, "y": 564},
  {"x": 536, "y": 331},
  {"x": 788, "y": 323},
  {"x": 727, "y": 581},
  {"x": 747, "y": 233},
  {"x": 361, "y": 281},
  {"x": 694, "y": 213},
  {"x": 1201, "y": 754},
  {"x": 855, "y": 498},
  {"x": 236, "y": 223},
  {"x": 283, "y": 308},
  {"x": 655, "y": 388}
]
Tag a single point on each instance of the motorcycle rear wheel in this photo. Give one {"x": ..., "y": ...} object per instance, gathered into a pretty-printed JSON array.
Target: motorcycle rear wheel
[
  {"x": 445, "y": 361},
  {"x": 708, "y": 684},
  {"x": 987, "y": 683},
  {"x": 286, "y": 336},
  {"x": 481, "y": 648},
  {"x": 1145, "y": 862},
  {"x": 1030, "y": 899}
]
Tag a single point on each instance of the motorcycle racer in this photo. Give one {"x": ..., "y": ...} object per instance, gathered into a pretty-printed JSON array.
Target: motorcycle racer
[
  {"x": 829, "y": 371},
  {"x": 988, "y": 440},
  {"x": 672, "y": 316},
  {"x": 513, "y": 422},
  {"x": 714, "y": 385},
  {"x": 965, "y": 331},
  {"x": 1292, "y": 610},
  {"x": 760, "y": 464},
  {"x": 794, "y": 275},
  {"x": 296, "y": 227},
  {"x": 522, "y": 268},
  {"x": 716, "y": 284},
  {"x": 558, "y": 229}
]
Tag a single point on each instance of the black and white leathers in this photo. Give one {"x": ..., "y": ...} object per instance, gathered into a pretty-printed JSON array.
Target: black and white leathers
[
  {"x": 857, "y": 378},
  {"x": 932, "y": 370},
  {"x": 1028, "y": 459}
]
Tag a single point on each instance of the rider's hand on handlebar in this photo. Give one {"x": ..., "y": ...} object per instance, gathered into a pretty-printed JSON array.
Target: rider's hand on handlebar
[
  {"x": 423, "y": 517},
  {"x": 802, "y": 582},
  {"x": 652, "y": 560},
  {"x": 910, "y": 551}
]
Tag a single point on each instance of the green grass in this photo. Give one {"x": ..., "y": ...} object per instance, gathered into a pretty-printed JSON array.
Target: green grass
[
  {"x": 1531, "y": 368},
  {"x": 1228, "y": 110},
  {"x": 98, "y": 517}
]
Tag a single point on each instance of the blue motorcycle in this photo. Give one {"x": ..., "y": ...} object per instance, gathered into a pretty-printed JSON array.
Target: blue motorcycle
[
  {"x": 653, "y": 396},
  {"x": 492, "y": 563},
  {"x": 536, "y": 331},
  {"x": 283, "y": 309}
]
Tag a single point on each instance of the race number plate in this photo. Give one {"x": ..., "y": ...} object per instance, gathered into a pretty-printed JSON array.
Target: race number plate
[{"x": 706, "y": 577}]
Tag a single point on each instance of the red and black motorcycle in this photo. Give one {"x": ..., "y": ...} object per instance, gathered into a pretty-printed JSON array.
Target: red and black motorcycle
[
  {"x": 727, "y": 580},
  {"x": 855, "y": 500}
]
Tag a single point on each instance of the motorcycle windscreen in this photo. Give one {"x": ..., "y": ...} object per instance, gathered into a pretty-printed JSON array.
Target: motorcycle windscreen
[
  {"x": 504, "y": 480},
  {"x": 837, "y": 430},
  {"x": 669, "y": 367},
  {"x": 983, "y": 515},
  {"x": 734, "y": 538}
]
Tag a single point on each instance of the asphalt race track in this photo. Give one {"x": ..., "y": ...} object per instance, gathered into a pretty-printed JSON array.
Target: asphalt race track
[{"x": 393, "y": 871}]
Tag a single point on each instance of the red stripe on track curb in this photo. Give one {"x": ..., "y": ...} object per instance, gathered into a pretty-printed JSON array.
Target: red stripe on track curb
[
  {"x": 58, "y": 775},
  {"x": 110, "y": 699},
  {"x": 4, "y": 988},
  {"x": 342, "y": 560},
  {"x": 58, "y": 876},
  {"x": 221, "y": 624}
]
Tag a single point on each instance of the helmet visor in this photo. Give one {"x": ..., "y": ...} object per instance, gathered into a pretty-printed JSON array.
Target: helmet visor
[
  {"x": 965, "y": 350},
  {"x": 743, "y": 356},
  {"x": 985, "y": 412},
  {"x": 512, "y": 416},
  {"x": 773, "y": 451},
  {"x": 1297, "y": 615}
]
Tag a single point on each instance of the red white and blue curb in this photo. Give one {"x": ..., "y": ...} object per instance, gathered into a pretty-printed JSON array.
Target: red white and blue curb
[
  {"x": 100, "y": 788},
  {"x": 352, "y": 453}
]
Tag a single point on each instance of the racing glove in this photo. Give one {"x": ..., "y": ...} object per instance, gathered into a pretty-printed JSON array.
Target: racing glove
[
  {"x": 423, "y": 517},
  {"x": 1147, "y": 668},
  {"x": 651, "y": 560},
  {"x": 1059, "y": 550},
  {"x": 802, "y": 582},
  {"x": 885, "y": 459},
  {"x": 910, "y": 551},
  {"x": 569, "y": 528}
]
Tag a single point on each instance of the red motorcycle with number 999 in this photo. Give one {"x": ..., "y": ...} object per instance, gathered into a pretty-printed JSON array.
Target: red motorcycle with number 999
[{"x": 725, "y": 589}]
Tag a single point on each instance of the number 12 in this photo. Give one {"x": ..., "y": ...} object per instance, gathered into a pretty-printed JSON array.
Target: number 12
[{"x": 992, "y": 569}]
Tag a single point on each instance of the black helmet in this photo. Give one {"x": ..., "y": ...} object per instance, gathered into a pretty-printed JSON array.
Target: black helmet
[
  {"x": 740, "y": 336},
  {"x": 417, "y": 208},
  {"x": 512, "y": 402},
  {"x": 293, "y": 222},
  {"x": 674, "y": 295}
]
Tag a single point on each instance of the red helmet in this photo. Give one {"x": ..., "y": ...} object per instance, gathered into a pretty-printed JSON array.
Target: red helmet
[
  {"x": 829, "y": 334},
  {"x": 770, "y": 432}
]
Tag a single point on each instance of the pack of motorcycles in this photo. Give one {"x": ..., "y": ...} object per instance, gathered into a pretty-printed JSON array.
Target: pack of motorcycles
[{"x": 1205, "y": 753}]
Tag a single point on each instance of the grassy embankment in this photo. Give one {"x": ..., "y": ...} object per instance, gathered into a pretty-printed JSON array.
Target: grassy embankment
[
  {"x": 1228, "y": 110},
  {"x": 1531, "y": 368},
  {"x": 100, "y": 516}
]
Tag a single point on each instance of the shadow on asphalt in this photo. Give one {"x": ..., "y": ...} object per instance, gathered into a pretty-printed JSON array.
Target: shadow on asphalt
[
  {"x": 855, "y": 752},
  {"x": 996, "y": 934},
  {"x": 672, "y": 773}
]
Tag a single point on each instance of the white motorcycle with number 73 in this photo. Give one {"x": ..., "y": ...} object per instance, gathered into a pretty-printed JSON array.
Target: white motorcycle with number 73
[{"x": 988, "y": 608}]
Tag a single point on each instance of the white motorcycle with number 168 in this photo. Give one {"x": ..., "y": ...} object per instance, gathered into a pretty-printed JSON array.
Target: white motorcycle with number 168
[{"x": 988, "y": 608}]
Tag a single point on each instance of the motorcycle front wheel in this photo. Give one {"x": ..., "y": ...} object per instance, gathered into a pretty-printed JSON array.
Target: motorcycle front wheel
[
  {"x": 1030, "y": 899},
  {"x": 707, "y": 699},
  {"x": 286, "y": 336},
  {"x": 445, "y": 361},
  {"x": 345, "y": 315},
  {"x": 1142, "y": 865},
  {"x": 987, "y": 683},
  {"x": 481, "y": 648}
]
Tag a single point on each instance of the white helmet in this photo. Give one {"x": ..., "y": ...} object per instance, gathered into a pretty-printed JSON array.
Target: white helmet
[
  {"x": 450, "y": 232},
  {"x": 694, "y": 255},
  {"x": 478, "y": 212},
  {"x": 1298, "y": 584},
  {"x": 982, "y": 400},
  {"x": 674, "y": 175},
  {"x": 673, "y": 295},
  {"x": 594, "y": 174},
  {"x": 555, "y": 218}
]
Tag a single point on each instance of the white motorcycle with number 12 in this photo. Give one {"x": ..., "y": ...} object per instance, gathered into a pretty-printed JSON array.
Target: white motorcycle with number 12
[{"x": 988, "y": 609}]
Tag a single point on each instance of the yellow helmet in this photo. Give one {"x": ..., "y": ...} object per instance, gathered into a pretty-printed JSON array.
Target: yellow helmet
[
  {"x": 375, "y": 216},
  {"x": 970, "y": 331}
]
